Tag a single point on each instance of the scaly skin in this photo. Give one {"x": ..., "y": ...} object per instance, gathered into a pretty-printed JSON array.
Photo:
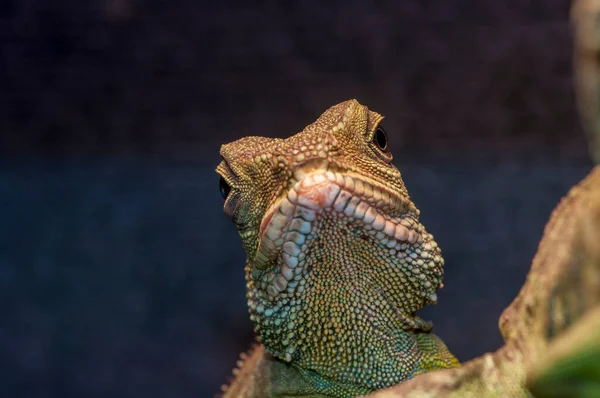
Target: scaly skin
[{"x": 337, "y": 261}]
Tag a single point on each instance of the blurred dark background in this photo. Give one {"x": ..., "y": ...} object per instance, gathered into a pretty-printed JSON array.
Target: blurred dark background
[{"x": 121, "y": 277}]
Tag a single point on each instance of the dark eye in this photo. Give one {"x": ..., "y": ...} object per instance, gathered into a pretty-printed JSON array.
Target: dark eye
[
  {"x": 380, "y": 138},
  {"x": 224, "y": 188}
]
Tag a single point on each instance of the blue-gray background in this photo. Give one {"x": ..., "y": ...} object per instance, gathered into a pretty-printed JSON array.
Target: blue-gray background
[{"x": 119, "y": 274}]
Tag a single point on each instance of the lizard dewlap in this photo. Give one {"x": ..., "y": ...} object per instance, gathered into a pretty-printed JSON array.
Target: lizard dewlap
[{"x": 337, "y": 260}]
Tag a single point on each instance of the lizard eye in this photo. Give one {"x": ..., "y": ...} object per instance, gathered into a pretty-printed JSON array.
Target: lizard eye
[
  {"x": 224, "y": 188},
  {"x": 380, "y": 139}
]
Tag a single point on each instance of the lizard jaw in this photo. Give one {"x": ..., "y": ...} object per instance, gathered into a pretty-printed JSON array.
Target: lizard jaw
[{"x": 294, "y": 219}]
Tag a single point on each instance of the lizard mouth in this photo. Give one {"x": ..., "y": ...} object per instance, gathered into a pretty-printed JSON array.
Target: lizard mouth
[{"x": 291, "y": 222}]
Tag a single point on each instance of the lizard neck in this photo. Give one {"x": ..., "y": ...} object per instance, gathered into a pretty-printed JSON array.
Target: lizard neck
[{"x": 351, "y": 318}]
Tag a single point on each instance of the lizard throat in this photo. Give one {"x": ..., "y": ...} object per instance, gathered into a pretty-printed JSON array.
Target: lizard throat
[{"x": 291, "y": 223}]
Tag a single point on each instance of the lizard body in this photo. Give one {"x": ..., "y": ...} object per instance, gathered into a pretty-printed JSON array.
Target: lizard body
[
  {"x": 337, "y": 261},
  {"x": 335, "y": 331}
]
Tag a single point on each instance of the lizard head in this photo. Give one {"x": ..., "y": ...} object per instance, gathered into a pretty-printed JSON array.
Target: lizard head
[{"x": 325, "y": 217}]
